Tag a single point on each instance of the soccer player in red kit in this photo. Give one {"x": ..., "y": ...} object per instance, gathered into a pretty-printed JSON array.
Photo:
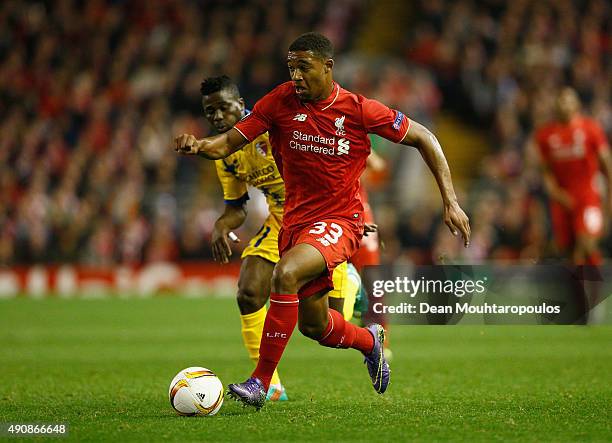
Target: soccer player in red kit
[
  {"x": 319, "y": 137},
  {"x": 573, "y": 149}
]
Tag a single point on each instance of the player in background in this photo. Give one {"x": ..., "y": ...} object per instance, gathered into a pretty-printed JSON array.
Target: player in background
[
  {"x": 573, "y": 149},
  {"x": 254, "y": 165},
  {"x": 319, "y": 134}
]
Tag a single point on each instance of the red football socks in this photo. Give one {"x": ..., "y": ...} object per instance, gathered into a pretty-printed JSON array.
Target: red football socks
[
  {"x": 278, "y": 327},
  {"x": 280, "y": 323},
  {"x": 343, "y": 334}
]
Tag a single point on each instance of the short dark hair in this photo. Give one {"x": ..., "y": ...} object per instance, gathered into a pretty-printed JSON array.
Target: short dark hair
[
  {"x": 211, "y": 85},
  {"x": 315, "y": 42}
]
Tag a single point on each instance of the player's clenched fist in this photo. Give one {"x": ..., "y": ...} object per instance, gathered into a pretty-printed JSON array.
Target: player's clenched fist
[{"x": 186, "y": 144}]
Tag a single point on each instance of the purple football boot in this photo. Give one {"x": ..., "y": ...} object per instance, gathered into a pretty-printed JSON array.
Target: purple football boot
[
  {"x": 375, "y": 360},
  {"x": 250, "y": 393}
]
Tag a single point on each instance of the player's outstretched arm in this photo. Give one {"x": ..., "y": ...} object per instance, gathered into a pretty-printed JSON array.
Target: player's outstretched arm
[
  {"x": 232, "y": 218},
  {"x": 212, "y": 148},
  {"x": 421, "y": 138}
]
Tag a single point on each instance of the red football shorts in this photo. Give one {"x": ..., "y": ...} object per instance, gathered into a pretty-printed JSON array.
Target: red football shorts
[
  {"x": 584, "y": 218},
  {"x": 336, "y": 239}
]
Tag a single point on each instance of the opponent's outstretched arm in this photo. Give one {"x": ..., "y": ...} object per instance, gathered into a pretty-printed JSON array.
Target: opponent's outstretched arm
[
  {"x": 212, "y": 148},
  {"x": 421, "y": 138}
]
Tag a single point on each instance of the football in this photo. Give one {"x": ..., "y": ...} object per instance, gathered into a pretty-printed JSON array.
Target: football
[{"x": 196, "y": 391}]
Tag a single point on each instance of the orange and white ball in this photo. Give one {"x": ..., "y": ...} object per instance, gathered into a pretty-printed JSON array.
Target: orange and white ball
[{"x": 196, "y": 391}]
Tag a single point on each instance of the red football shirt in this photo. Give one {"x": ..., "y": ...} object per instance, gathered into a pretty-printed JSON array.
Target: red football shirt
[
  {"x": 321, "y": 148},
  {"x": 571, "y": 152}
]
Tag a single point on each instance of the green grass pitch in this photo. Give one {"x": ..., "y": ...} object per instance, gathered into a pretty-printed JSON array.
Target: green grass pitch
[{"x": 103, "y": 367}]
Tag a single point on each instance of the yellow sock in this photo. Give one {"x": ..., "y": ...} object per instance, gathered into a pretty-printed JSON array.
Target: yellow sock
[
  {"x": 350, "y": 285},
  {"x": 252, "y": 329},
  {"x": 349, "y": 292}
]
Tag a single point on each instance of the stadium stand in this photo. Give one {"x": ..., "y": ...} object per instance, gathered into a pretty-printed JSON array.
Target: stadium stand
[{"x": 87, "y": 175}]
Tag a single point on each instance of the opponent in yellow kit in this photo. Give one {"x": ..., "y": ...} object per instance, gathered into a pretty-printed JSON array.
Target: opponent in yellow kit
[{"x": 254, "y": 165}]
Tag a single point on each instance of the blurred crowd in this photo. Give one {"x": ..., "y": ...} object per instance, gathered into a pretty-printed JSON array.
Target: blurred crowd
[{"x": 92, "y": 93}]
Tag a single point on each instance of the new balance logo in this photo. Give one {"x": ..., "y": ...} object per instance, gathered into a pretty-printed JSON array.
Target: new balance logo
[
  {"x": 343, "y": 146},
  {"x": 300, "y": 117}
]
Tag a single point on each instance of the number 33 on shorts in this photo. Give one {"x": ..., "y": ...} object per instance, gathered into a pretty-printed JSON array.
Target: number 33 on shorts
[{"x": 331, "y": 234}]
